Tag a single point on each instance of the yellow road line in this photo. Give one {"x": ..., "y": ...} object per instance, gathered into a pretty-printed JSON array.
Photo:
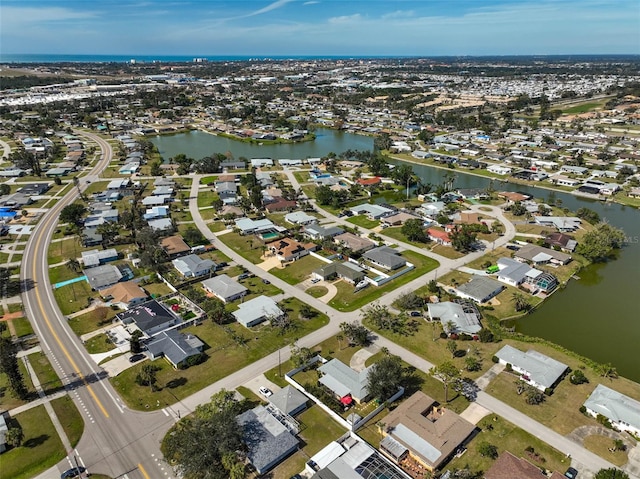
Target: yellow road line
[
  {"x": 144, "y": 473},
  {"x": 55, "y": 335}
]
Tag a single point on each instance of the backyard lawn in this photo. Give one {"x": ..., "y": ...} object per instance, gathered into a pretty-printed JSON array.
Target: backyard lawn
[
  {"x": 41, "y": 447},
  {"x": 347, "y": 300},
  {"x": 230, "y": 348},
  {"x": 299, "y": 270},
  {"x": 100, "y": 343},
  {"x": 73, "y": 297}
]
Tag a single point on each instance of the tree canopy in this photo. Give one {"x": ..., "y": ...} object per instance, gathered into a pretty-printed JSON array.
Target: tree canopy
[
  {"x": 414, "y": 231},
  {"x": 72, "y": 213},
  {"x": 598, "y": 244},
  {"x": 385, "y": 377},
  {"x": 191, "y": 442},
  {"x": 611, "y": 473}
]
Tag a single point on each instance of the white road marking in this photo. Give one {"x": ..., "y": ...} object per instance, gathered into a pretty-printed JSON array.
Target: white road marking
[{"x": 165, "y": 412}]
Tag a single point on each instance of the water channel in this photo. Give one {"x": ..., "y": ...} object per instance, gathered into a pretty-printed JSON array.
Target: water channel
[{"x": 597, "y": 316}]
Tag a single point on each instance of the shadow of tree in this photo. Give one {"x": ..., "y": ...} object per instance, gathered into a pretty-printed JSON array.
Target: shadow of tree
[
  {"x": 35, "y": 441},
  {"x": 177, "y": 382}
]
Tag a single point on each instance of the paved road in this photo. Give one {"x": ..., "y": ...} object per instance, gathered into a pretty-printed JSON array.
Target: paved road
[{"x": 116, "y": 441}]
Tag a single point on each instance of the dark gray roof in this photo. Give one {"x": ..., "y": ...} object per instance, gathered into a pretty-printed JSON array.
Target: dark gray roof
[
  {"x": 347, "y": 270},
  {"x": 175, "y": 346},
  {"x": 480, "y": 288},
  {"x": 388, "y": 257},
  {"x": 288, "y": 399},
  {"x": 323, "y": 232},
  {"x": 102, "y": 277},
  {"x": 148, "y": 315},
  {"x": 267, "y": 440}
]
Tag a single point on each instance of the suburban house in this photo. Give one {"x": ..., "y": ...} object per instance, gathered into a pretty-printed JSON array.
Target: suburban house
[
  {"x": 90, "y": 237},
  {"x": 289, "y": 400},
  {"x": 317, "y": 232},
  {"x": 355, "y": 243},
  {"x": 100, "y": 217},
  {"x": 347, "y": 384},
  {"x": 351, "y": 458},
  {"x": 515, "y": 273},
  {"x": 161, "y": 224},
  {"x": 248, "y": 226},
  {"x": 101, "y": 277},
  {"x": 129, "y": 168},
  {"x": 125, "y": 294},
  {"x": 513, "y": 197},
  {"x": 399, "y": 218},
  {"x": 175, "y": 347},
  {"x": 535, "y": 368},
  {"x": 376, "y": 180},
  {"x": 224, "y": 288},
  {"x": 348, "y": 271},
  {"x": 538, "y": 255},
  {"x": 154, "y": 200},
  {"x": 499, "y": 169},
  {"x": 174, "y": 246},
  {"x": 622, "y": 411},
  {"x": 119, "y": 184},
  {"x": 97, "y": 257},
  {"x": 479, "y": 289},
  {"x": 151, "y": 317},
  {"x": 561, "y": 223},
  {"x": 281, "y": 205},
  {"x": 256, "y": 311},
  {"x": 440, "y": 237},
  {"x": 299, "y": 218},
  {"x": 156, "y": 212},
  {"x": 193, "y": 266},
  {"x": 288, "y": 249},
  {"x": 424, "y": 430},
  {"x": 385, "y": 257},
  {"x": 431, "y": 210},
  {"x": 562, "y": 241},
  {"x": 268, "y": 441},
  {"x": 508, "y": 466},
  {"x": 373, "y": 212},
  {"x": 461, "y": 317}
]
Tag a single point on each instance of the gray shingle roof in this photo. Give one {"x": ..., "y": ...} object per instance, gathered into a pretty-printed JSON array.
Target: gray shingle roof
[
  {"x": 343, "y": 380},
  {"x": 385, "y": 256},
  {"x": 175, "y": 346},
  {"x": 101, "y": 277},
  {"x": 288, "y": 399},
  {"x": 480, "y": 288},
  {"x": 267, "y": 440},
  {"x": 224, "y": 287},
  {"x": 192, "y": 264},
  {"x": 448, "y": 311}
]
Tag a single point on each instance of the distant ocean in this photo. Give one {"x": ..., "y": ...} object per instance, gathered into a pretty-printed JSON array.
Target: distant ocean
[{"x": 52, "y": 58}]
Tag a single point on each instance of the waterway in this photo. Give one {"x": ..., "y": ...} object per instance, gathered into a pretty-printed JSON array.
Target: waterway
[
  {"x": 198, "y": 144},
  {"x": 597, "y": 315}
]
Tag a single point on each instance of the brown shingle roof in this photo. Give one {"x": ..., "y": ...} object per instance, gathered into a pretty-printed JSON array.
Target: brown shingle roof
[
  {"x": 124, "y": 292},
  {"x": 508, "y": 466},
  {"x": 174, "y": 245}
]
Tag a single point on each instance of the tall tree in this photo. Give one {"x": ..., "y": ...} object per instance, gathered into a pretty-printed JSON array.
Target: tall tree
[
  {"x": 9, "y": 366},
  {"x": 385, "y": 377},
  {"x": 448, "y": 374},
  {"x": 148, "y": 376},
  {"x": 190, "y": 446},
  {"x": 355, "y": 333},
  {"x": 414, "y": 230},
  {"x": 598, "y": 244},
  {"x": 611, "y": 473}
]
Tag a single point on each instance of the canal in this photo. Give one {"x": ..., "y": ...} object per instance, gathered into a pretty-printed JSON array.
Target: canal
[{"x": 597, "y": 316}]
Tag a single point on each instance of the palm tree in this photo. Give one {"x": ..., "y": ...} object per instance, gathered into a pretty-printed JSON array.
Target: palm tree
[
  {"x": 340, "y": 338},
  {"x": 520, "y": 301},
  {"x": 74, "y": 265}
]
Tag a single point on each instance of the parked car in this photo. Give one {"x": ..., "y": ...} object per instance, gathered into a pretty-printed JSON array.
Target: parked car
[
  {"x": 415, "y": 314},
  {"x": 266, "y": 392},
  {"x": 75, "y": 472},
  {"x": 135, "y": 358},
  {"x": 315, "y": 280},
  {"x": 243, "y": 276},
  {"x": 266, "y": 281},
  {"x": 571, "y": 473}
]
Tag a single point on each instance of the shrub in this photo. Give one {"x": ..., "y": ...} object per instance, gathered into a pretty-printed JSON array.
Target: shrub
[
  {"x": 466, "y": 337},
  {"x": 578, "y": 377},
  {"x": 583, "y": 410},
  {"x": 529, "y": 449},
  {"x": 495, "y": 359},
  {"x": 443, "y": 335},
  {"x": 548, "y": 391},
  {"x": 508, "y": 367}
]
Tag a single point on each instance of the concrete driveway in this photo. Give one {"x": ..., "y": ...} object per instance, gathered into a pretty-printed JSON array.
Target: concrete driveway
[
  {"x": 474, "y": 413},
  {"x": 255, "y": 383}
]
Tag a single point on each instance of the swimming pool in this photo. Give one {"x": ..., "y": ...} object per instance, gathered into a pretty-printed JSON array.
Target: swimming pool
[{"x": 69, "y": 281}]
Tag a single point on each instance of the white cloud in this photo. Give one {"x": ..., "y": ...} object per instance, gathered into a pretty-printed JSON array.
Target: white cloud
[
  {"x": 31, "y": 15},
  {"x": 272, "y": 6},
  {"x": 312, "y": 2},
  {"x": 346, "y": 19}
]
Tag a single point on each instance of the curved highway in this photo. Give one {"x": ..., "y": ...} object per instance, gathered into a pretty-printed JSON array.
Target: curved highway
[{"x": 116, "y": 441}]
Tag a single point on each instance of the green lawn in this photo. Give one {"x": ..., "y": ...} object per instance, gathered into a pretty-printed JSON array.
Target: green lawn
[
  {"x": 22, "y": 326},
  {"x": 100, "y": 343},
  {"x": 301, "y": 176},
  {"x": 73, "y": 297},
  {"x": 206, "y": 196},
  {"x": 256, "y": 288},
  {"x": 216, "y": 226},
  {"x": 317, "y": 291},
  {"x": 224, "y": 356},
  {"x": 583, "y": 108},
  {"x": 446, "y": 251},
  {"x": 157, "y": 289},
  {"x": 40, "y": 450},
  {"x": 298, "y": 271},
  {"x": 396, "y": 233},
  {"x": 347, "y": 300},
  {"x": 49, "y": 380},
  {"x": 601, "y": 446},
  {"x": 7, "y": 400},
  {"x": 363, "y": 222},
  {"x": 70, "y": 418},
  {"x": 87, "y": 322},
  {"x": 508, "y": 437},
  {"x": 249, "y": 247}
]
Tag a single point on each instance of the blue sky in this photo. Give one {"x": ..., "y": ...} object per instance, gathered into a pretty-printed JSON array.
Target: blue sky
[{"x": 320, "y": 27}]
